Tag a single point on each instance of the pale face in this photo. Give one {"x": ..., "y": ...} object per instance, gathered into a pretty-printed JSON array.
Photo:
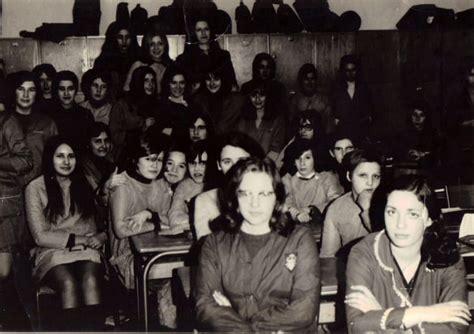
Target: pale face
[
  {"x": 25, "y": 95},
  {"x": 149, "y": 84},
  {"x": 100, "y": 145},
  {"x": 157, "y": 48},
  {"x": 309, "y": 83},
  {"x": 198, "y": 131},
  {"x": 406, "y": 219},
  {"x": 197, "y": 168},
  {"x": 264, "y": 70},
  {"x": 305, "y": 163},
  {"x": 175, "y": 167},
  {"x": 366, "y": 176},
  {"x": 45, "y": 83},
  {"x": 258, "y": 99},
  {"x": 203, "y": 32},
  {"x": 350, "y": 71},
  {"x": 123, "y": 40},
  {"x": 98, "y": 89},
  {"x": 64, "y": 160},
  {"x": 341, "y": 147},
  {"x": 470, "y": 77},
  {"x": 150, "y": 166},
  {"x": 66, "y": 93},
  {"x": 256, "y": 199},
  {"x": 229, "y": 156},
  {"x": 213, "y": 83},
  {"x": 418, "y": 118},
  {"x": 306, "y": 130},
  {"x": 177, "y": 85}
]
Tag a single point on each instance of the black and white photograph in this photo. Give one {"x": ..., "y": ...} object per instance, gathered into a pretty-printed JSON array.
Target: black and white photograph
[{"x": 237, "y": 166}]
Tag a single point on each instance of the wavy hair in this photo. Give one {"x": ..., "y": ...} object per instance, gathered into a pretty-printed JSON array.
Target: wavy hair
[
  {"x": 137, "y": 88},
  {"x": 81, "y": 194},
  {"x": 89, "y": 77},
  {"x": 145, "y": 47},
  {"x": 256, "y": 63},
  {"x": 233, "y": 219},
  {"x": 15, "y": 80},
  {"x": 437, "y": 249}
]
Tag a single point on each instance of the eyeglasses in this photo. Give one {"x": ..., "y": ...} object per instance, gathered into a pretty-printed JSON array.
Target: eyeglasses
[{"x": 247, "y": 194}]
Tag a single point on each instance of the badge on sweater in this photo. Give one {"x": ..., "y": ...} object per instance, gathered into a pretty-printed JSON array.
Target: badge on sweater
[{"x": 290, "y": 262}]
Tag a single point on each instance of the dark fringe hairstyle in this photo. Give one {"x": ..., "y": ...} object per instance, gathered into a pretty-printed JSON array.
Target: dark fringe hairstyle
[
  {"x": 437, "y": 249},
  {"x": 232, "y": 219},
  {"x": 82, "y": 196},
  {"x": 295, "y": 150}
]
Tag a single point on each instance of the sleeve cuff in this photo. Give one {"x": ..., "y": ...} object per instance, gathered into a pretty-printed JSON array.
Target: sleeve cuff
[{"x": 395, "y": 318}]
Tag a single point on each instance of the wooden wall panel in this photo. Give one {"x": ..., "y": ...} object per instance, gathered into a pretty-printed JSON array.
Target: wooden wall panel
[
  {"x": 388, "y": 110},
  {"x": 457, "y": 46},
  {"x": 329, "y": 48},
  {"x": 290, "y": 52},
  {"x": 94, "y": 46},
  {"x": 176, "y": 44},
  {"x": 420, "y": 59},
  {"x": 19, "y": 53},
  {"x": 379, "y": 55},
  {"x": 243, "y": 49},
  {"x": 71, "y": 54}
]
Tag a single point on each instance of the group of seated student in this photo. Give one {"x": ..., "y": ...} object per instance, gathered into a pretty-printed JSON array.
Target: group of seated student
[{"x": 175, "y": 146}]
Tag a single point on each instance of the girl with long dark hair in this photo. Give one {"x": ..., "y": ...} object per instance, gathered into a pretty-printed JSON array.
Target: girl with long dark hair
[
  {"x": 119, "y": 51},
  {"x": 60, "y": 211},
  {"x": 262, "y": 120},
  {"x": 218, "y": 100},
  {"x": 134, "y": 113}
]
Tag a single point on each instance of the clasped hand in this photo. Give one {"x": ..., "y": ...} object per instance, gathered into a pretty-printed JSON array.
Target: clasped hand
[
  {"x": 136, "y": 221},
  {"x": 220, "y": 299}
]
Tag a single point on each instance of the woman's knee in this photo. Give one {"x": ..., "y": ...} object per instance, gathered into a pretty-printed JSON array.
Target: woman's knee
[{"x": 5, "y": 265}]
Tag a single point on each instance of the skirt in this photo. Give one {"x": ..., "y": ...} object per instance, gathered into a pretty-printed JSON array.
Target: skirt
[{"x": 12, "y": 224}]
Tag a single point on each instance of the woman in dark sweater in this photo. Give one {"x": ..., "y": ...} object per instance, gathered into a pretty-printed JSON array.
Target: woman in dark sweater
[{"x": 203, "y": 53}]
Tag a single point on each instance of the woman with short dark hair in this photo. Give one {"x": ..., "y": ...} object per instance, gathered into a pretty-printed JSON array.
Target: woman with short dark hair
[
  {"x": 413, "y": 277},
  {"x": 261, "y": 273},
  {"x": 96, "y": 86}
]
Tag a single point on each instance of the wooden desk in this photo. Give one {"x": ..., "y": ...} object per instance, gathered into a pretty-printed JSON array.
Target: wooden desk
[{"x": 150, "y": 249}]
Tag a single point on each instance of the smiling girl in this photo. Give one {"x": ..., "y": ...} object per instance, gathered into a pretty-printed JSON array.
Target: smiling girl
[
  {"x": 134, "y": 208},
  {"x": 60, "y": 211},
  {"x": 197, "y": 156}
]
